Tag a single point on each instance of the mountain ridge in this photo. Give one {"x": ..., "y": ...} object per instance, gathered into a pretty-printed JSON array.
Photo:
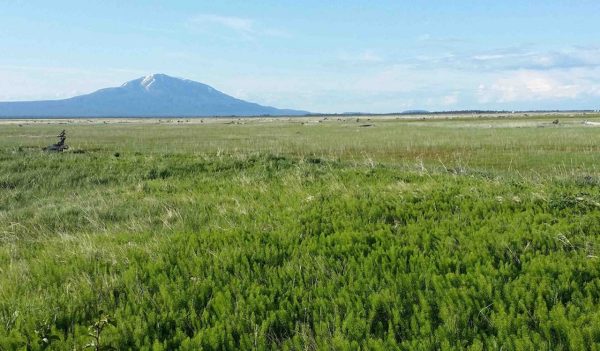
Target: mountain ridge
[{"x": 156, "y": 95}]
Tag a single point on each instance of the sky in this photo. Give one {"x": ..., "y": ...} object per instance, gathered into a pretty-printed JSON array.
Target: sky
[{"x": 320, "y": 56}]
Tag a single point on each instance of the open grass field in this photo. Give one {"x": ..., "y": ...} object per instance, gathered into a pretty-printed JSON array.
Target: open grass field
[{"x": 301, "y": 234}]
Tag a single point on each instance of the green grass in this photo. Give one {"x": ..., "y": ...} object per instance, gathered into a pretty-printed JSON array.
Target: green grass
[{"x": 440, "y": 234}]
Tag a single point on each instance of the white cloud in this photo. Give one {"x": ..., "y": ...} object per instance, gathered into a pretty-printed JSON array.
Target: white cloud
[
  {"x": 532, "y": 85},
  {"x": 450, "y": 100}
]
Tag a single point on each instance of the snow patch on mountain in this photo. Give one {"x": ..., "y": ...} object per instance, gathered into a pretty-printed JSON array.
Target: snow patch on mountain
[{"x": 148, "y": 81}]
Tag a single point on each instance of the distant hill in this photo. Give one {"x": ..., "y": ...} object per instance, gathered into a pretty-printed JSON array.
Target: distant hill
[
  {"x": 415, "y": 112},
  {"x": 157, "y": 95}
]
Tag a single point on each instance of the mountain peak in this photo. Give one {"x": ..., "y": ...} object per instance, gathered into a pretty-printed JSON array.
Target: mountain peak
[
  {"x": 147, "y": 81},
  {"x": 162, "y": 76}
]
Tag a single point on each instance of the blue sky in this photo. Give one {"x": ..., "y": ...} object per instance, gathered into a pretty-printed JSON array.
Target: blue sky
[{"x": 322, "y": 56}]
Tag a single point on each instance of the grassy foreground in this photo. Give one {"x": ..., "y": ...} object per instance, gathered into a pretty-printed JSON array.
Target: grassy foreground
[{"x": 382, "y": 234}]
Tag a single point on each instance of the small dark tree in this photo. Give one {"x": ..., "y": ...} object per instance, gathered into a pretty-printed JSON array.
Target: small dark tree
[{"x": 60, "y": 146}]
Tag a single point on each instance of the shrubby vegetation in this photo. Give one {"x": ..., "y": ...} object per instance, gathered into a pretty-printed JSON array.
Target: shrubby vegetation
[{"x": 260, "y": 250}]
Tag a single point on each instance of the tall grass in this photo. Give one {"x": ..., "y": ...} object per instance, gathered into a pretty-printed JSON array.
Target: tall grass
[{"x": 404, "y": 235}]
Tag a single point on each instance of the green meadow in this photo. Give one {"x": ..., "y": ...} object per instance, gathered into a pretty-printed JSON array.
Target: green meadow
[{"x": 354, "y": 233}]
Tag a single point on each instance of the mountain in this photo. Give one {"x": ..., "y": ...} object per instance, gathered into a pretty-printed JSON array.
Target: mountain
[{"x": 157, "y": 95}]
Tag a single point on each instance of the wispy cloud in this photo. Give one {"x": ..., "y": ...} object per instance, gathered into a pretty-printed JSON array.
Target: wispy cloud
[
  {"x": 538, "y": 60},
  {"x": 245, "y": 27},
  {"x": 235, "y": 23},
  {"x": 365, "y": 56},
  {"x": 507, "y": 59},
  {"x": 428, "y": 38}
]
